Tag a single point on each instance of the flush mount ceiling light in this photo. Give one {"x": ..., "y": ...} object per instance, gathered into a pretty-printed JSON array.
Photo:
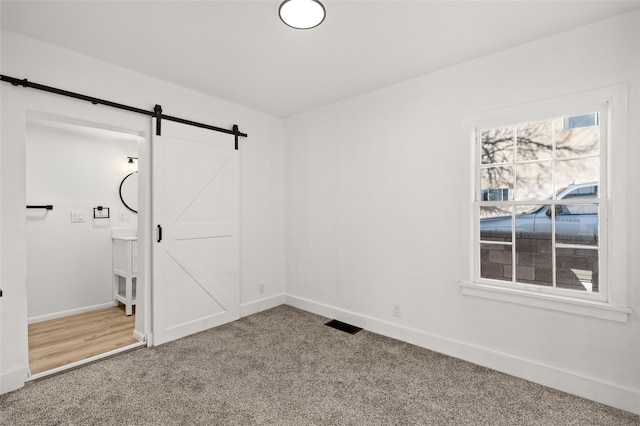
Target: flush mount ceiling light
[{"x": 302, "y": 14}]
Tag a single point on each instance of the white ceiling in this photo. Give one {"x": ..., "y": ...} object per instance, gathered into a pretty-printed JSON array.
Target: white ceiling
[{"x": 240, "y": 50}]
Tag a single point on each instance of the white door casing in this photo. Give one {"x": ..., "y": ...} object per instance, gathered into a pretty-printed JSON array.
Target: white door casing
[{"x": 195, "y": 204}]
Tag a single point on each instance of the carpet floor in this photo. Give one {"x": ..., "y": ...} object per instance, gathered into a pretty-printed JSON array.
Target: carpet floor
[{"x": 284, "y": 367}]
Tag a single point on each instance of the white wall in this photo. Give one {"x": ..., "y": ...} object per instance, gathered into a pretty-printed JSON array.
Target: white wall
[
  {"x": 378, "y": 212},
  {"x": 73, "y": 168},
  {"x": 261, "y": 174}
]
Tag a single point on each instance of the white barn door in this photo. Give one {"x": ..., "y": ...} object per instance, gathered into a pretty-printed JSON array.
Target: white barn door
[{"x": 195, "y": 213}]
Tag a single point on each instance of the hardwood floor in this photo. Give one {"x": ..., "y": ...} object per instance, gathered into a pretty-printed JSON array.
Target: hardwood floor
[{"x": 61, "y": 341}]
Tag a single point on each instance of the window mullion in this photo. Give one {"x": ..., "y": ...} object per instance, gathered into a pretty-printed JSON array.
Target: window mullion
[
  {"x": 514, "y": 257},
  {"x": 553, "y": 205}
]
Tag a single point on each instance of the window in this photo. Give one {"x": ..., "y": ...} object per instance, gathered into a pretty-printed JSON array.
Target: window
[
  {"x": 547, "y": 225},
  {"x": 546, "y": 231}
]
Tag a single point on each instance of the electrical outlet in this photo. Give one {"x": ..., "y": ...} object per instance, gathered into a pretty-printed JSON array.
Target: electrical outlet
[
  {"x": 396, "y": 310},
  {"x": 261, "y": 287}
]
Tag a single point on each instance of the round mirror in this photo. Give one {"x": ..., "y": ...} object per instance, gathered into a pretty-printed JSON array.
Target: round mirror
[{"x": 129, "y": 191}]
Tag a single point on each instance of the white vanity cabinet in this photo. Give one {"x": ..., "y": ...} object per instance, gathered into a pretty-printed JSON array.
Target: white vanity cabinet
[{"x": 125, "y": 271}]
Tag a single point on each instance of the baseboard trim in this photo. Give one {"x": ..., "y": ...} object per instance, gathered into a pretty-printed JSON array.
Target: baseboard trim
[
  {"x": 567, "y": 381},
  {"x": 261, "y": 305},
  {"x": 69, "y": 312},
  {"x": 13, "y": 380},
  {"x": 139, "y": 336}
]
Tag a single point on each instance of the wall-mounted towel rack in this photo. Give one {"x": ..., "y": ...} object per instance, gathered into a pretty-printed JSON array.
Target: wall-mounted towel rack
[{"x": 47, "y": 207}]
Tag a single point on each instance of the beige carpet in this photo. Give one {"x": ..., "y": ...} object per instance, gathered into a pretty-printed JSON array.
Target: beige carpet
[{"x": 284, "y": 367}]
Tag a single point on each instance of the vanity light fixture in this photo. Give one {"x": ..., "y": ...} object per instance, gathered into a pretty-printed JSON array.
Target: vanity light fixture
[
  {"x": 130, "y": 161},
  {"x": 302, "y": 14}
]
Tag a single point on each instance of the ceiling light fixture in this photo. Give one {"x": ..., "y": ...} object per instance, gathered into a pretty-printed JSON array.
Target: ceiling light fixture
[{"x": 302, "y": 14}]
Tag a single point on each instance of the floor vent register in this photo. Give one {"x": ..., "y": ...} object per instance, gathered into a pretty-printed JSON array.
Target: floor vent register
[{"x": 343, "y": 326}]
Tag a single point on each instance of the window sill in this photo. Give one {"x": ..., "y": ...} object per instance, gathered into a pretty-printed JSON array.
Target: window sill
[{"x": 588, "y": 308}]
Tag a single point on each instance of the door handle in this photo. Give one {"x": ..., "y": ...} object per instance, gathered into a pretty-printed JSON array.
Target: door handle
[{"x": 159, "y": 233}]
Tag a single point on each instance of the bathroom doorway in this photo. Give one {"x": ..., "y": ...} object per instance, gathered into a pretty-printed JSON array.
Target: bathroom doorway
[{"x": 74, "y": 174}]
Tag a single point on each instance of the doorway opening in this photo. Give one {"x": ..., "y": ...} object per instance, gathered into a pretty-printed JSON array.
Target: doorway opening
[{"x": 76, "y": 168}]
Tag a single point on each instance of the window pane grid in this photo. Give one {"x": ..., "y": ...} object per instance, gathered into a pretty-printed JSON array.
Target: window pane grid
[{"x": 523, "y": 167}]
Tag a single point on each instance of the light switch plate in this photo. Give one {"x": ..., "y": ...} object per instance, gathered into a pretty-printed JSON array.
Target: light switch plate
[{"x": 77, "y": 216}]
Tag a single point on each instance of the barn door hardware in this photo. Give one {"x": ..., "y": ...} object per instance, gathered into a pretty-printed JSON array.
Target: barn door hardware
[{"x": 157, "y": 112}]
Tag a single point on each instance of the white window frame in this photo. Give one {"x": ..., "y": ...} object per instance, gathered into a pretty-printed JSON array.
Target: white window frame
[{"x": 611, "y": 301}]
